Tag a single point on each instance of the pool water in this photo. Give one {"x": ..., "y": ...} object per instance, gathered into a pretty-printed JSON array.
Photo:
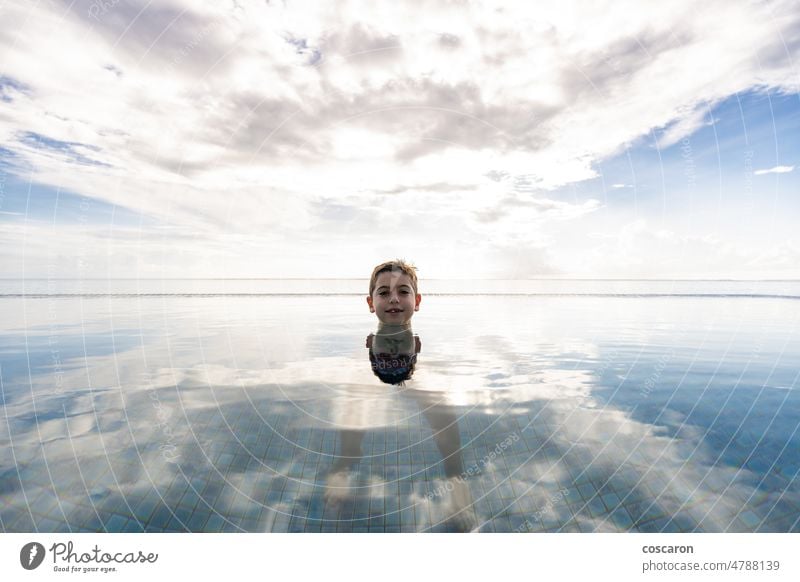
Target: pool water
[{"x": 524, "y": 413}]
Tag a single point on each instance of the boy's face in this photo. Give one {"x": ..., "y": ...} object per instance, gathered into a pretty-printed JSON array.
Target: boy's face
[{"x": 393, "y": 299}]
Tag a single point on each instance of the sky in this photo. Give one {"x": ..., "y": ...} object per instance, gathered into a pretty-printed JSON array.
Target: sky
[{"x": 174, "y": 138}]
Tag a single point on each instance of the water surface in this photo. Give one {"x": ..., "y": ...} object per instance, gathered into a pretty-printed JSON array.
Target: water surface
[{"x": 604, "y": 411}]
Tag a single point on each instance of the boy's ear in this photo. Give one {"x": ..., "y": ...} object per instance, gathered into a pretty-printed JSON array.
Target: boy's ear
[
  {"x": 416, "y": 304},
  {"x": 369, "y": 302}
]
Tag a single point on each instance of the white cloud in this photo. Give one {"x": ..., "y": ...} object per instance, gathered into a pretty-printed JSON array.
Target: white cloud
[
  {"x": 683, "y": 127},
  {"x": 775, "y": 170},
  {"x": 640, "y": 249},
  {"x": 240, "y": 119}
]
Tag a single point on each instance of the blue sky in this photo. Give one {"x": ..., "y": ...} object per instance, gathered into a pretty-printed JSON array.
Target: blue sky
[
  {"x": 180, "y": 139},
  {"x": 715, "y": 182}
]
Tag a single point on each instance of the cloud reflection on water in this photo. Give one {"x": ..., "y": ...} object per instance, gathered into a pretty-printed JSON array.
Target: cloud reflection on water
[{"x": 224, "y": 427}]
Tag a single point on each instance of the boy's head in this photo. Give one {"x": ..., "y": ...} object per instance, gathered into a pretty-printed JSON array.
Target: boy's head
[{"x": 393, "y": 293}]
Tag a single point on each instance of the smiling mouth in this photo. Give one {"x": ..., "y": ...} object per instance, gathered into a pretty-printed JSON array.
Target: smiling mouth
[{"x": 394, "y": 311}]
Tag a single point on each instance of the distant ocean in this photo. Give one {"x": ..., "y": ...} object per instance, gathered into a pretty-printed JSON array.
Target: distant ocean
[{"x": 257, "y": 287}]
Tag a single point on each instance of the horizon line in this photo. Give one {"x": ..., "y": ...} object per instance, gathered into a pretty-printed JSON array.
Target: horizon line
[{"x": 682, "y": 279}]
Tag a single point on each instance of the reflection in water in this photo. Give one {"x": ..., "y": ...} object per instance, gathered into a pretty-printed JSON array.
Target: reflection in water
[
  {"x": 393, "y": 352},
  {"x": 549, "y": 415}
]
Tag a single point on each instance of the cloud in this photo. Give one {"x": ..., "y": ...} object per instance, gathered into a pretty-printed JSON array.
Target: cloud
[
  {"x": 238, "y": 118},
  {"x": 527, "y": 255},
  {"x": 639, "y": 249},
  {"x": 11, "y": 89},
  {"x": 70, "y": 152},
  {"x": 683, "y": 127},
  {"x": 775, "y": 170}
]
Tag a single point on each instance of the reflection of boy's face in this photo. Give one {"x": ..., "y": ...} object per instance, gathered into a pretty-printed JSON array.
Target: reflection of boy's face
[
  {"x": 393, "y": 354},
  {"x": 393, "y": 344},
  {"x": 394, "y": 300}
]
